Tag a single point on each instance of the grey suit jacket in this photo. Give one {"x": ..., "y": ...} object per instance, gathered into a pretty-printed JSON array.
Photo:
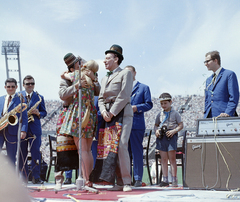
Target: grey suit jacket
[
  {"x": 117, "y": 88},
  {"x": 67, "y": 90}
]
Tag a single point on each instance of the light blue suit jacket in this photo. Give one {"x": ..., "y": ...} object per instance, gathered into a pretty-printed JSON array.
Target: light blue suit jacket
[
  {"x": 13, "y": 130},
  {"x": 223, "y": 96},
  {"x": 141, "y": 97}
]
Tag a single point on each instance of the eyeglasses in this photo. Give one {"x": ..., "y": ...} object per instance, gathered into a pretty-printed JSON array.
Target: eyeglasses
[
  {"x": 11, "y": 86},
  {"x": 28, "y": 84},
  {"x": 207, "y": 61}
]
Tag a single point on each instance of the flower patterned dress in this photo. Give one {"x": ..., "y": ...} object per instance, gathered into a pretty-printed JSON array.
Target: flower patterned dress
[{"x": 70, "y": 123}]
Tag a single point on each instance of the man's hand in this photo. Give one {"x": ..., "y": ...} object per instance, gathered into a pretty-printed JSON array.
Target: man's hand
[
  {"x": 36, "y": 111},
  {"x": 223, "y": 115},
  {"x": 110, "y": 114},
  {"x": 157, "y": 133},
  {"x": 89, "y": 73},
  {"x": 106, "y": 116},
  {"x": 63, "y": 75},
  {"x": 134, "y": 107},
  {"x": 83, "y": 83},
  {"x": 171, "y": 133},
  {"x": 23, "y": 135}
]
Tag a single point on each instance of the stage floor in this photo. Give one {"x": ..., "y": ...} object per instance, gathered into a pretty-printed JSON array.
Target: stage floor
[{"x": 142, "y": 194}]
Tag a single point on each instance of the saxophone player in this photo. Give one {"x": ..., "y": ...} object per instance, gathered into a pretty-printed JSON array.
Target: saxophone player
[
  {"x": 36, "y": 109},
  {"x": 9, "y": 134}
]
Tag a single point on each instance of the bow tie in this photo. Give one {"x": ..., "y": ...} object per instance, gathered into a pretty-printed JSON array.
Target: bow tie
[{"x": 109, "y": 73}]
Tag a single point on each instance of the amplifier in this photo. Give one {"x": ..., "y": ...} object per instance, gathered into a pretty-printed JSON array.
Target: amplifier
[
  {"x": 205, "y": 167},
  {"x": 220, "y": 126}
]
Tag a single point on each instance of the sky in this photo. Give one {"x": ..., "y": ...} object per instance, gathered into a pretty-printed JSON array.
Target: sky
[{"x": 165, "y": 40}]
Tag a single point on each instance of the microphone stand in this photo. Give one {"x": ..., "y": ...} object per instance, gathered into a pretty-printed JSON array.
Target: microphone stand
[
  {"x": 19, "y": 136},
  {"x": 19, "y": 141},
  {"x": 80, "y": 182}
]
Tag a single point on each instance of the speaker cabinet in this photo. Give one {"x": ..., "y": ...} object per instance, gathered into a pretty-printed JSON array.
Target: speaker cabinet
[{"x": 210, "y": 167}]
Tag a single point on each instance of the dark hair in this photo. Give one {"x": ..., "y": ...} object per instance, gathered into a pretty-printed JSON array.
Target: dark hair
[
  {"x": 73, "y": 65},
  {"x": 131, "y": 67},
  {"x": 119, "y": 59},
  {"x": 11, "y": 80},
  {"x": 165, "y": 96},
  {"x": 214, "y": 55},
  {"x": 27, "y": 77}
]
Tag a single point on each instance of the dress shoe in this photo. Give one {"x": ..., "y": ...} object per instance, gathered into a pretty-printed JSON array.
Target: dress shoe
[
  {"x": 138, "y": 183},
  {"x": 58, "y": 186},
  {"x": 37, "y": 181},
  {"x": 174, "y": 183},
  {"x": 164, "y": 184},
  {"x": 127, "y": 188},
  {"x": 68, "y": 181},
  {"x": 116, "y": 188}
]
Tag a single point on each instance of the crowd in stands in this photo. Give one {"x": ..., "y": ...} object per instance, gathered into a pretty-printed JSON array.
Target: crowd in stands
[
  {"x": 190, "y": 107},
  {"x": 189, "y": 113},
  {"x": 50, "y": 121}
]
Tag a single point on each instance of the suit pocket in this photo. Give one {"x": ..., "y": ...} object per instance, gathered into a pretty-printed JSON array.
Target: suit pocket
[{"x": 116, "y": 85}]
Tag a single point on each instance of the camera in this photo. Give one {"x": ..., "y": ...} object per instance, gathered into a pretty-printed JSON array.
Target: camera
[{"x": 162, "y": 132}]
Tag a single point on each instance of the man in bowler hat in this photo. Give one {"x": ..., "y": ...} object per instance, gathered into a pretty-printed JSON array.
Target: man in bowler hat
[{"x": 116, "y": 89}]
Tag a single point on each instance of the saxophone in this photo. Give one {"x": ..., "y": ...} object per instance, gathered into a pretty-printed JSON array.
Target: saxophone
[
  {"x": 10, "y": 117},
  {"x": 30, "y": 116}
]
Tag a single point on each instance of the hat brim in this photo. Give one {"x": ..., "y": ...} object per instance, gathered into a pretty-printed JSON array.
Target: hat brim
[
  {"x": 77, "y": 59},
  {"x": 114, "y": 52}
]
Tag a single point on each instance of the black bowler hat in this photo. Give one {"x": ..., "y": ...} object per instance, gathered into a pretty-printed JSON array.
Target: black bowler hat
[{"x": 116, "y": 49}]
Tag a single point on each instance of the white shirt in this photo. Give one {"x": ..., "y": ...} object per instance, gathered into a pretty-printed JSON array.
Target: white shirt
[
  {"x": 134, "y": 83},
  {"x": 29, "y": 94},
  {"x": 5, "y": 109},
  {"x": 217, "y": 72}
]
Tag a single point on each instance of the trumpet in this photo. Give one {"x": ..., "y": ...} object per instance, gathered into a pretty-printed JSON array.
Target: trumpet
[{"x": 11, "y": 117}]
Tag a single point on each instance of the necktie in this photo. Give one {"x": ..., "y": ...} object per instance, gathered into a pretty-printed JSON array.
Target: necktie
[
  {"x": 109, "y": 73},
  {"x": 214, "y": 78},
  {"x": 28, "y": 98},
  {"x": 9, "y": 100}
]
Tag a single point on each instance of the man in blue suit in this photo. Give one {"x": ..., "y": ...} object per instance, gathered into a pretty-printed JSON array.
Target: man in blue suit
[
  {"x": 222, "y": 92},
  {"x": 141, "y": 102},
  {"x": 36, "y": 108},
  {"x": 9, "y": 134}
]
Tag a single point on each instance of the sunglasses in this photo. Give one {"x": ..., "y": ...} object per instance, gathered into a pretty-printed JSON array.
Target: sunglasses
[
  {"x": 28, "y": 84},
  {"x": 11, "y": 86},
  {"x": 207, "y": 61}
]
